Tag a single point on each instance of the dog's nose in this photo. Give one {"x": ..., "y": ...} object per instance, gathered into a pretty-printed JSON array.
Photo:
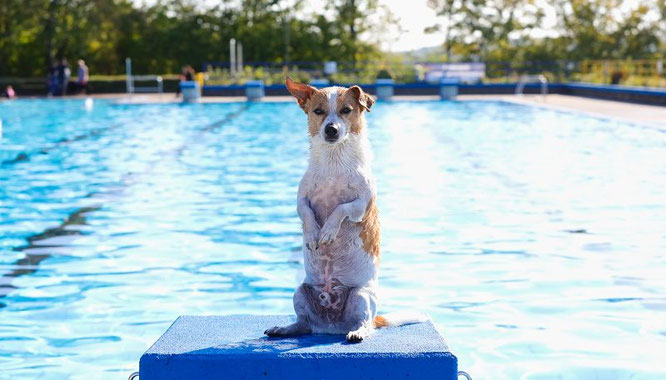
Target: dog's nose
[{"x": 330, "y": 131}]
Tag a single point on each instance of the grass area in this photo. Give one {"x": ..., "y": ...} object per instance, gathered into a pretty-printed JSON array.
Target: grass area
[{"x": 629, "y": 80}]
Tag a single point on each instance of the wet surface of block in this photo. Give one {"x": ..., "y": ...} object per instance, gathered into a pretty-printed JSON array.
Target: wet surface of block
[{"x": 234, "y": 347}]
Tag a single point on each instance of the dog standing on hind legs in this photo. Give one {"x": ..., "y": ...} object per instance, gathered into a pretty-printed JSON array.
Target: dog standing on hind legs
[{"x": 336, "y": 203}]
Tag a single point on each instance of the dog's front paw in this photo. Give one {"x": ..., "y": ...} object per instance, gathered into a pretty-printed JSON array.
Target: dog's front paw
[
  {"x": 328, "y": 234},
  {"x": 310, "y": 238}
]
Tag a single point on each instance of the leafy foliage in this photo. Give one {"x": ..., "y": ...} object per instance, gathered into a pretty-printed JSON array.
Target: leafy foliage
[
  {"x": 501, "y": 30},
  {"x": 510, "y": 35},
  {"x": 161, "y": 37}
]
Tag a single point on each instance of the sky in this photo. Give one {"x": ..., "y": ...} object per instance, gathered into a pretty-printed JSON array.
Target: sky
[{"x": 414, "y": 16}]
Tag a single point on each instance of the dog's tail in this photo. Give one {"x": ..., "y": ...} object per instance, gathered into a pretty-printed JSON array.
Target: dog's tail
[{"x": 399, "y": 319}]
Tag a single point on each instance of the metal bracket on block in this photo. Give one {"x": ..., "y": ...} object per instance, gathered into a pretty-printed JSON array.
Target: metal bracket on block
[{"x": 460, "y": 373}]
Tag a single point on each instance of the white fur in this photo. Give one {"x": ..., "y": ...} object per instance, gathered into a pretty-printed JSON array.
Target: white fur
[
  {"x": 337, "y": 187},
  {"x": 338, "y": 294}
]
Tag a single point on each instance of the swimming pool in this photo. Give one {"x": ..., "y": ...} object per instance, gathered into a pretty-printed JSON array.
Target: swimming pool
[{"x": 535, "y": 239}]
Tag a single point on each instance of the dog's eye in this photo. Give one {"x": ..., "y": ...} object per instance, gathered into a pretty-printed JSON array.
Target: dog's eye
[
  {"x": 345, "y": 110},
  {"x": 318, "y": 111}
]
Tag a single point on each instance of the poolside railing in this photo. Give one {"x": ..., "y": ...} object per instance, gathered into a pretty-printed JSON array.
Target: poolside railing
[
  {"x": 628, "y": 72},
  {"x": 520, "y": 87}
]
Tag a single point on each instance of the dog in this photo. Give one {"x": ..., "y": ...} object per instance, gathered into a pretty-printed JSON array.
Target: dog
[{"x": 341, "y": 232}]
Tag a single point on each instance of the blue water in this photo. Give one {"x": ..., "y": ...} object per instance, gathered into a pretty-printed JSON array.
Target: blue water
[{"x": 535, "y": 239}]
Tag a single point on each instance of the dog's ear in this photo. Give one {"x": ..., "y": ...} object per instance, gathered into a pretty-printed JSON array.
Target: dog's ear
[
  {"x": 366, "y": 101},
  {"x": 302, "y": 92}
]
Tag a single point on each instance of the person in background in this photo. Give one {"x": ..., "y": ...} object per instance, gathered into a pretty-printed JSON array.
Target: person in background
[
  {"x": 82, "y": 77},
  {"x": 64, "y": 73},
  {"x": 9, "y": 92},
  {"x": 187, "y": 73},
  {"x": 52, "y": 79}
]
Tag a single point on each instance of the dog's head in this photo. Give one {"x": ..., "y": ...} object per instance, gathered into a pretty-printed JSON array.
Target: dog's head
[{"x": 333, "y": 112}]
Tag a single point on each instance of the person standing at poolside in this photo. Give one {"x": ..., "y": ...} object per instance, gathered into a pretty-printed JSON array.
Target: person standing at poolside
[
  {"x": 52, "y": 79},
  {"x": 189, "y": 73},
  {"x": 64, "y": 73},
  {"x": 82, "y": 77}
]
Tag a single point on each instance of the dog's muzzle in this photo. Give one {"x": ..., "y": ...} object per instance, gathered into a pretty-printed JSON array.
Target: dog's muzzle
[{"x": 330, "y": 132}]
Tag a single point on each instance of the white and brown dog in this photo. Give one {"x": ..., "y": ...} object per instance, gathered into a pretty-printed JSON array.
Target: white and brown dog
[{"x": 336, "y": 202}]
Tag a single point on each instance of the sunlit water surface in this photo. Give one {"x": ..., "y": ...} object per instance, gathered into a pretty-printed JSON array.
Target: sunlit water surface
[{"x": 535, "y": 239}]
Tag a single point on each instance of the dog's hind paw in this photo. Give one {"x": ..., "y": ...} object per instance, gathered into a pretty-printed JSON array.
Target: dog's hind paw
[
  {"x": 290, "y": 330},
  {"x": 354, "y": 337},
  {"x": 274, "y": 331}
]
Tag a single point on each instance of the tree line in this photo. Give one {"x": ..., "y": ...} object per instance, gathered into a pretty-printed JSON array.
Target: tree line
[
  {"x": 504, "y": 30},
  {"x": 163, "y": 35}
]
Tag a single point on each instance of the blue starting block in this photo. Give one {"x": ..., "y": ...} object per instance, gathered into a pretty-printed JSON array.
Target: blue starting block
[
  {"x": 191, "y": 91},
  {"x": 254, "y": 90},
  {"x": 234, "y": 347}
]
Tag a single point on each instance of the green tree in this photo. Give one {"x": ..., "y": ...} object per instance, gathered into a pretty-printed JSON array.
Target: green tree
[
  {"x": 21, "y": 47},
  {"x": 451, "y": 11},
  {"x": 595, "y": 29},
  {"x": 351, "y": 19}
]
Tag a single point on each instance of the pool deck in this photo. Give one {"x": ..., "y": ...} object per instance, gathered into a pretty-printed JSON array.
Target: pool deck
[
  {"x": 655, "y": 115},
  {"x": 631, "y": 112}
]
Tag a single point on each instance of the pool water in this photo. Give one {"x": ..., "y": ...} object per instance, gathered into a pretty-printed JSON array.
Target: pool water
[{"x": 535, "y": 239}]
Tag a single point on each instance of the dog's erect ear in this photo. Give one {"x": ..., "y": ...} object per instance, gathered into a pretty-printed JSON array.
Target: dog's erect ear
[
  {"x": 366, "y": 101},
  {"x": 302, "y": 92}
]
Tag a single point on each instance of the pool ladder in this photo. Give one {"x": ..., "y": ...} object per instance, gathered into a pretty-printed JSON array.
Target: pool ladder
[{"x": 532, "y": 78}]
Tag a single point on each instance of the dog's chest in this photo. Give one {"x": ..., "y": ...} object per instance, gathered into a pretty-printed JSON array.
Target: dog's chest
[{"x": 327, "y": 193}]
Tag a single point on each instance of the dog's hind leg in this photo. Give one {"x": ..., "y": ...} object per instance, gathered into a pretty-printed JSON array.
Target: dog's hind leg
[
  {"x": 303, "y": 311},
  {"x": 360, "y": 312}
]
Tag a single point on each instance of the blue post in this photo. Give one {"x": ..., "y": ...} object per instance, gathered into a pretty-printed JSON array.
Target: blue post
[
  {"x": 384, "y": 88},
  {"x": 190, "y": 90},
  {"x": 320, "y": 83},
  {"x": 254, "y": 90},
  {"x": 448, "y": 88},
  {"x": 234, "y": 347}
]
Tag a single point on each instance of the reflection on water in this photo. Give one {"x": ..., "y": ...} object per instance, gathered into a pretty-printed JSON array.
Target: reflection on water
[
  {"x": 534, "y": 238},
  {"x": 38, "y": 246}
]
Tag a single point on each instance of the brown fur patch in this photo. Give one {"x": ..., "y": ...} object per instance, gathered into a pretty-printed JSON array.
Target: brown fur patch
[
  {"x": 355, "y": 118},
  {"x": 357, "y": 126},
  {"x": 317, "y": 100},
  {"x": 364, "y": 100},
  {"x": 300, "y": 91},
  {"x": 380, "y": 321},
  {"x": 370, "y": 230}
]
